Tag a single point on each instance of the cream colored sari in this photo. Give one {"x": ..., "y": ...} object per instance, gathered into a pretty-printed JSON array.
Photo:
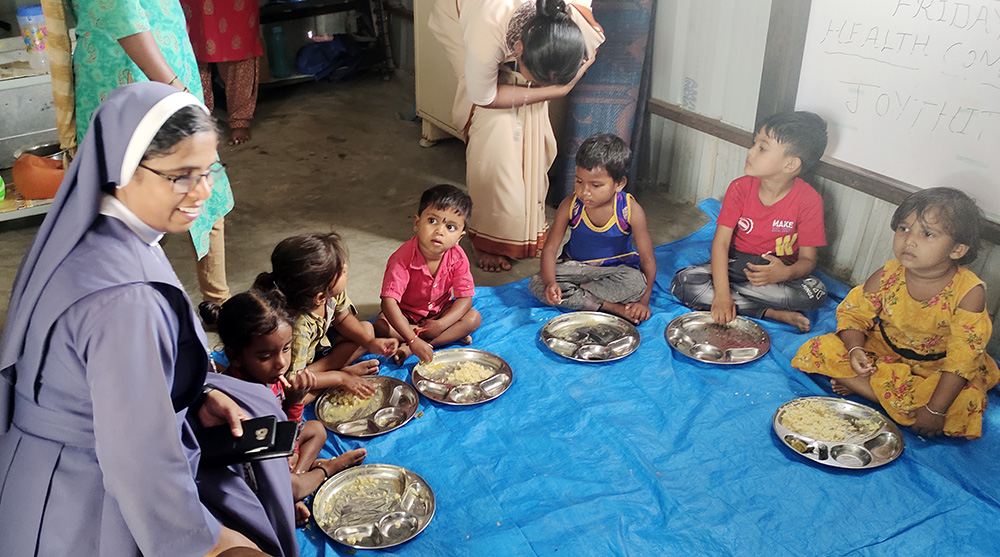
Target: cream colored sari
[{"x": 508, "y": 150}]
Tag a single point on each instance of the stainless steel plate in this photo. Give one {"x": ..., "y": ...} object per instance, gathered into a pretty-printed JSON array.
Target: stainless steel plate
[
  {"x": 590, "y": 336},
  {"x": 437, "y": 380},
  {"x": 697, "y": 336},
  {"x": 392, "y": 405},
  {"x": 373, "y": 506},
  {"x": 869, "y": 438}
]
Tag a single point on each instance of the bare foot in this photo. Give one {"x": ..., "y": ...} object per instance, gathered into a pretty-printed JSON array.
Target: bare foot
[
  {"x": 344, "y": 461},
  {"x": 364, "y": 367},
  {"x": 492, "y": 262},
  {"x": 402, "y": 353},
  {"x": 466, "y": 340},
  {"x": 238, "y": 136},
  {"x": 840, "y": 388},
  {"x": 793, "y": 318},
  {"x": 302, "y": 514},
  {"x": 617, "y": 309}
]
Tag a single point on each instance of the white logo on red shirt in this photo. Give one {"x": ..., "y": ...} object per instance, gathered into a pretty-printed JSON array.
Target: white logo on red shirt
[
  {"x": 782, "y": 226},
  {"x": 745, "y": 224}
]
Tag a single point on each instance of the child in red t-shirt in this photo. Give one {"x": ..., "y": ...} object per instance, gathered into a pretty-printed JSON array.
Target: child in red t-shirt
[
  {"x": 427, "y": 288},
  {"x": 767, "y": 232}
]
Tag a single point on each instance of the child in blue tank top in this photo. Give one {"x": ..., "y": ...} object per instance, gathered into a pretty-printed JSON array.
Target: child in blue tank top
[{"x": 598, "y": 268}]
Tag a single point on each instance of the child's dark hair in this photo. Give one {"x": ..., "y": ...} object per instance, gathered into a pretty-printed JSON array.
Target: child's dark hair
[
  {"x": 302, "y": 267},
  {"x": 955, "y": 211},
  {"x": 553, "y": 44},
  {"x": 607, "y": 151},
  {"x": 249, "y": 315},
  {"x": 802, "y": 134},
  {"x": 446, "y": 196}
]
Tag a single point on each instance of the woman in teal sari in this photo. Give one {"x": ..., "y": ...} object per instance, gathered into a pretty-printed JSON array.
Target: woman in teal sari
[{"x": 125, "y": 41}]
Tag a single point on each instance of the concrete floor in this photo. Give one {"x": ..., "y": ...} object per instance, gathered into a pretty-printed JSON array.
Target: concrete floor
[{"x": 335, "y": 157}]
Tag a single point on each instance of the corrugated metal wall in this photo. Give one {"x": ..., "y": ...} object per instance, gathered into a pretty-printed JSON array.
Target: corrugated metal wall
[{"x": 708, "y": 58}]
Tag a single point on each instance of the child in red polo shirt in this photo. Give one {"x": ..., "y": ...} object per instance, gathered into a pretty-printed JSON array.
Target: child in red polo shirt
[
  {"x": 427, "y": 289},
  {"x": 767, "y": 233}
]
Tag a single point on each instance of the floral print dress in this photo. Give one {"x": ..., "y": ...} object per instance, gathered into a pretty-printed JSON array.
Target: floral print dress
[
  {"x": 926, "y": 328},
  {"x": 100, "y": 65}
]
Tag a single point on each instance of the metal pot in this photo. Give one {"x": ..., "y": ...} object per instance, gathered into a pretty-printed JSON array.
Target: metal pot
[{"x": 51, "y": 150}]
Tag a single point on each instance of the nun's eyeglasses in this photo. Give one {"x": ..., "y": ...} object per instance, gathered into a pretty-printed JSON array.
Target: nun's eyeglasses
[{"x": 187, "y": 182}]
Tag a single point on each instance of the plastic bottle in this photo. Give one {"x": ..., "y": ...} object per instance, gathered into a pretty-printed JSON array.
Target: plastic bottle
[
  {"x": 31, "y": 20},
  {"x": 277, "y": 54}
]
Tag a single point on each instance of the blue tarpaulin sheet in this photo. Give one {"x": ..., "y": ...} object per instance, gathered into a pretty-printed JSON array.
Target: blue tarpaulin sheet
[{"x": 659, "y": 454}]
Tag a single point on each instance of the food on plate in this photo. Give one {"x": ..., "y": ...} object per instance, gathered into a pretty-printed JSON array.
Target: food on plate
[
  {"x": 818, "y": 420},
  {"x": 363, "y": 501},
  {"x": 342, "y": 405},
  {"x": 462, "y": 374}
]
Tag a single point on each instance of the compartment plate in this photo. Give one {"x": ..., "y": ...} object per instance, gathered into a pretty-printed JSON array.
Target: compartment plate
[
  {"x": 431, "y": 380},
  {"x": 590, "y": 336},
  {"x": 860, "y": 448},
  {"x": 695, "y": 335},
  {"x": 373, "y": 506},
  {"x": 392, "y": 405}
]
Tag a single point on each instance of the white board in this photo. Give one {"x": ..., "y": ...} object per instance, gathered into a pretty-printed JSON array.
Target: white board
[{"x": 910, "y": 89}]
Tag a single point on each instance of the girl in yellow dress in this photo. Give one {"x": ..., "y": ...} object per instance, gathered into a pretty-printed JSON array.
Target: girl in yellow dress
[{"x": 913, "y": 337}]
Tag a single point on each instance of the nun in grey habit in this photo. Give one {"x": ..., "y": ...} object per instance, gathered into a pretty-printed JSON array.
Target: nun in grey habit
[{"x": 102, "y": 355}]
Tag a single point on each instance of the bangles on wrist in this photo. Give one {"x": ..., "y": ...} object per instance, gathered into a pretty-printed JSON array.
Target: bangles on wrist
[
  {"x": 849, "y": 352},
  {"x": 938, "y": 414}
]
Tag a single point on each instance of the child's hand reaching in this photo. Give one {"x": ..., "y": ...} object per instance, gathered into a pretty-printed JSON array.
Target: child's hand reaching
[
  {"x": 299, "y": 386},
  {"x": 422, "y": 349},
  {"x": 356, "y": 384},
  {"x": 860, "y": 364},
  {"x": 723, "y": 309},
  {"x": 383, "y": 346},
  {"x": 553, "y": 294},
  {"x": 773, "y": 272}
]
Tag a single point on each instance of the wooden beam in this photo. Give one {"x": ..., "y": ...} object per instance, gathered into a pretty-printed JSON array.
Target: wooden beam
[
  {"x": 863, "y": 180},
  {"x": 711, "y": 126}
]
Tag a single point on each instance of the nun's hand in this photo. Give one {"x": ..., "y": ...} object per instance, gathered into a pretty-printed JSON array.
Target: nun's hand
[{"x": 218, "y": 409}]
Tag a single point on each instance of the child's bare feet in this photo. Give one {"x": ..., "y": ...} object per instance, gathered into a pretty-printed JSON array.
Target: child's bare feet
[
  {"x": 364, "y": 367},
  {"x": 402, "y": 353},
  {"x": 238, "y": 136},
  {"x": 840, "y": 388},
  {"x": 492, "y": 262},
  {"x": 302, "y": 514},
  {"x": 793, "y": 318},
  {"x": 617, "y": 309},
  {"x": 466, "y": 340},
  {"x": 344, "y": 461}
]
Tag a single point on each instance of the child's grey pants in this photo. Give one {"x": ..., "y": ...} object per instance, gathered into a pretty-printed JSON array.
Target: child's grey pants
[
  {"x": 693, "y": 287},
  {"x": 587, "y": 286}
]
